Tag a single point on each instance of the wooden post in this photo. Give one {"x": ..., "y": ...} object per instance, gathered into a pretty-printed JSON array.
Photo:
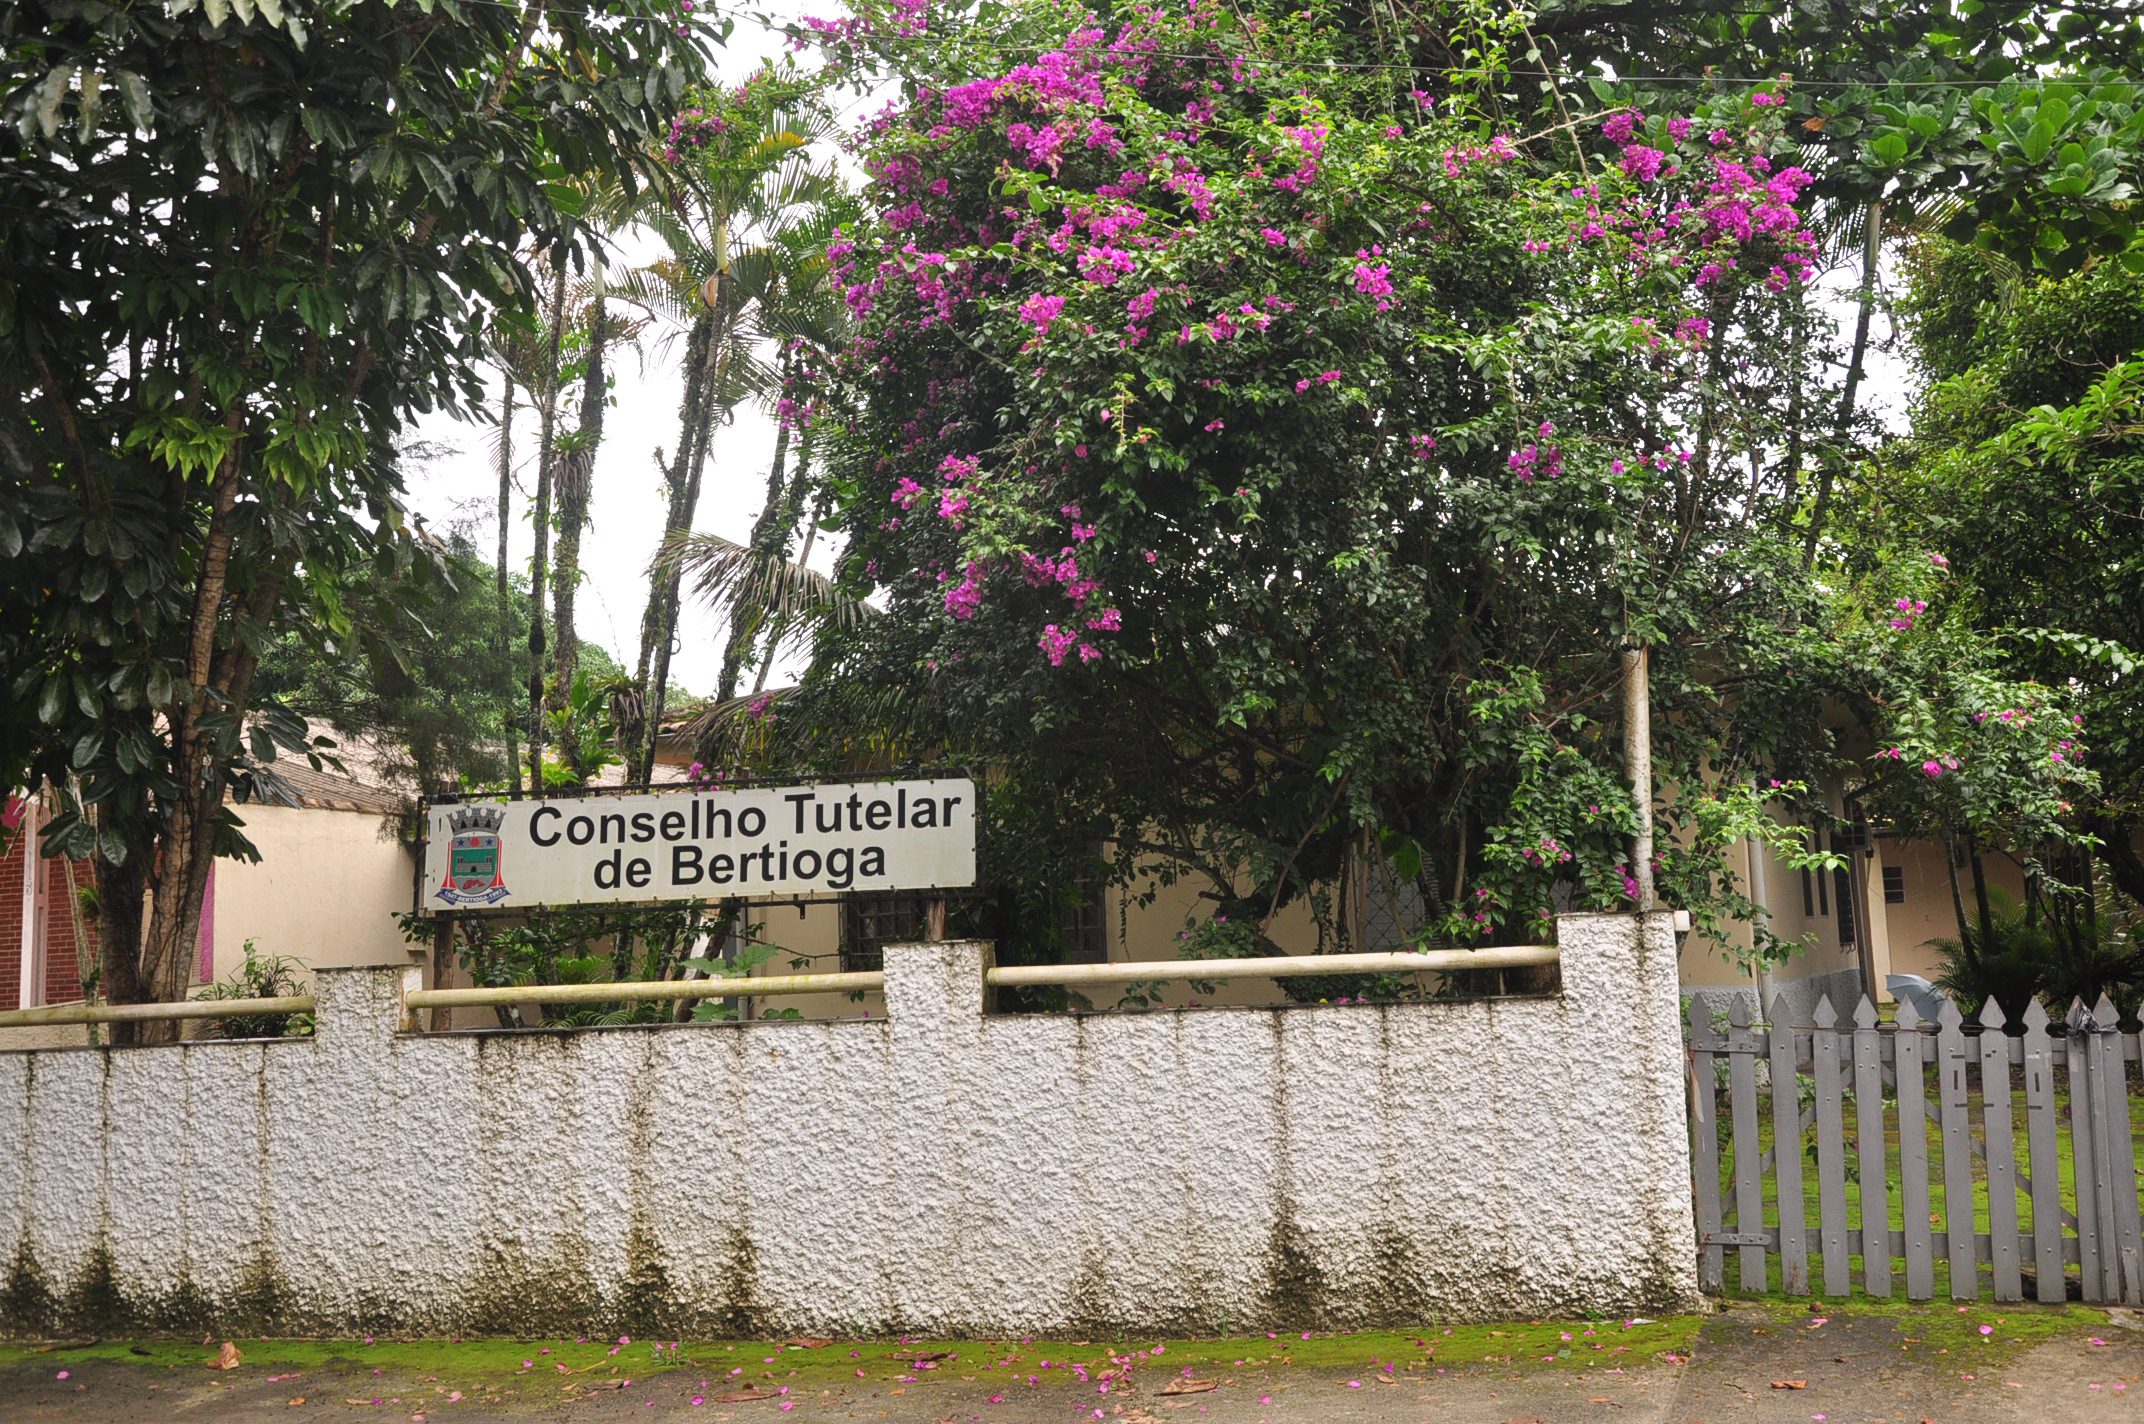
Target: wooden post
[
  {"x": 442, "y": 965},
  {"x": 1787, "y": 1152},
  {"x": 1638, "y": 765},
  {"x": 1830, "y": 1149},
  {"x": 1869, "y": 1151},
  {"x": 1705, "y": 1150},
  {"x": 2041, "y": 1155},
  {"x": 934, "y": 919},
  {"x": 1997, "y": 1123},
  {"x": 1912, "y": 1054}
]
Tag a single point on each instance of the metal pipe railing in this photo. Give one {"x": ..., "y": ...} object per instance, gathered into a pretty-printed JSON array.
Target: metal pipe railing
[
  {"x": 140, "y": 1013},
  {"x": 1285, "y": 966},
  {"x": 743, "y": 987},
  {"x": 1435, "y": 961}
]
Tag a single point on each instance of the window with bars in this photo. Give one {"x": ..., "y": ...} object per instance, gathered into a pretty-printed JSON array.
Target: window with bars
[
  {"x": 1843, "y": 888},
  {"x": 1390, "y": 910},
  {"x": 871, "y": 922},
  {"x": 1894, "y": 885}
]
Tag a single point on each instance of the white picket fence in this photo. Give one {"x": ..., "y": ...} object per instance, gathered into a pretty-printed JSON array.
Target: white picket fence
[{"x": 1968, "y": 1199}]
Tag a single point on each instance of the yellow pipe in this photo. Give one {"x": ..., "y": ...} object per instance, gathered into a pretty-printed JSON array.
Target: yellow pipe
[
  {"x": 1433, "y": 961},
  {"x": 137, "y": 1013},
  {"x": 739, "y": 988}
]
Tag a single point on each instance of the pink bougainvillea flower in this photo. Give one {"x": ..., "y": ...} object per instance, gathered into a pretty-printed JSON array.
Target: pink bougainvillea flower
[{"x": 1039, "y": 311}]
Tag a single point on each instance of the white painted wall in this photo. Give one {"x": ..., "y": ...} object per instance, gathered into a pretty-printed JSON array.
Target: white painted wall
[{"x": 933, "y": 1171}]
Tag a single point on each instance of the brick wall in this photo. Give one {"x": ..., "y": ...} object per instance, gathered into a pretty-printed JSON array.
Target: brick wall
[
  {"x": 11, "y": 919},
  {"x": 63, "y": 957}
]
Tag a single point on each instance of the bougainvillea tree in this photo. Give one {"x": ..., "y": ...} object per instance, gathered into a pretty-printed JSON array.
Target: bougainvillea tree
[{"x": 1261, "y": 467}]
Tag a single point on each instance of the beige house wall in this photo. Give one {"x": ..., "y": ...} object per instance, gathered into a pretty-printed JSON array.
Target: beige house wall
[
  {"x": 1927, "y": 913},
  {"x": 325, "y": 891}
]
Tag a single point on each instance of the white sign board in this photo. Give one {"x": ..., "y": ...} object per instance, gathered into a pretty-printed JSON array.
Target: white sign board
[{"x": 765, "y": 842}]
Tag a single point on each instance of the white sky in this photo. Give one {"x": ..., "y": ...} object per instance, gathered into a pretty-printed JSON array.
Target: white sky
[
  {"x": 625, "y": 518},
  {"x": 627, "y": 508}
]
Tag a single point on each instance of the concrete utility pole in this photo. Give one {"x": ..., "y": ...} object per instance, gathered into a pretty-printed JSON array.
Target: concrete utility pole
[{"x": 1638, "y": 763}]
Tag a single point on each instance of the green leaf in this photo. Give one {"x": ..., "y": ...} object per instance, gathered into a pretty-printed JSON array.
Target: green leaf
[
  {"x": 1889, "y": 148},
  {"x": 92, "y": 104},
  {"x": 2038, "y": 142},
  {"x": 134, "y": 93},
  {"x": 49, "y": 96}
]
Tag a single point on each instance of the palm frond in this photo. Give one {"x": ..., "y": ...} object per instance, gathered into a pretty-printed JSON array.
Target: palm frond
[
  {"x": 655, "y": 292},
  {"x": 731, "y": 576}
]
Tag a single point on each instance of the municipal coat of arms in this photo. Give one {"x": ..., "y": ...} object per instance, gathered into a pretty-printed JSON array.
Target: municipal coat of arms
[{"x": 474, "y": 875}]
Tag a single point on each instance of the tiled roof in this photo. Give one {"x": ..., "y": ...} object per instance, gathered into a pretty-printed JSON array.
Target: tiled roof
[{"x": 325, "y": 790}]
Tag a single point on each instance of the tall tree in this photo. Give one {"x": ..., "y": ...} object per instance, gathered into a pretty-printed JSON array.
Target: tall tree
[
  {"x": 244, "y": 245},
  {"x": 2024, "y": 474},
  {"x": 747, "y": 219}
]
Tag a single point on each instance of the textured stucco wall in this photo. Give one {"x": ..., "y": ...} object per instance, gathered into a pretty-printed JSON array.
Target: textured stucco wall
[{"x": 932, "y": 1171}]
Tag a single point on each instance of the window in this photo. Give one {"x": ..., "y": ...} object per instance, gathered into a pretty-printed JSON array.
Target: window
[
  {"x": 1085, "y": 925},
  {"x": 1808, "y": 895},
  {"x": 1390, "y": 911},
  {"x": 1843, "y": 886},
  {"x": 871, "y": 922},
  {"x": 1894, "y": 885}
]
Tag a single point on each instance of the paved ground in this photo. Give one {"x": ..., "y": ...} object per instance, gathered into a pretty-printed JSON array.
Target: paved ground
[{"x": 1763, "y": 1364}]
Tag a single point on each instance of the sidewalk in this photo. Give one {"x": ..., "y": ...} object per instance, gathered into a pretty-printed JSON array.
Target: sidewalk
[{"x": 1763, "y": 1363}]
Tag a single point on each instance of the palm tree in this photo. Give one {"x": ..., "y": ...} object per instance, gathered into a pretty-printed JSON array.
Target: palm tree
[{"x": 740, "y": 225}]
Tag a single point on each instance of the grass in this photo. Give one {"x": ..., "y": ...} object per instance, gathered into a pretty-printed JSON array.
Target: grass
[
  {"x": 1942, "y": 1327},
  {"x": 1938, "y": 1199},
  {"x": 816, "y": 1364}
]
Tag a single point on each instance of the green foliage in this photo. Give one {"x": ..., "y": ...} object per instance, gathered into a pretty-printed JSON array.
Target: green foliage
[
  {"x": 1317, "y": 527},
  {"x": 245, "y": 245},
  {"x": 262, "y": 976},
  {"x": 583, "y": 733},
  {"x": 740, "y": 967},
  {"x": 577, "y": 947},
  {"x": 2024, "y": 472},
  {"x": 2023, "y": 953},
  {"x": 419, "y": 675}
]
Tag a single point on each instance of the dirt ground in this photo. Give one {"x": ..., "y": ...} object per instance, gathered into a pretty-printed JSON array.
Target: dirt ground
[{"x": 1763, "y": 1363}]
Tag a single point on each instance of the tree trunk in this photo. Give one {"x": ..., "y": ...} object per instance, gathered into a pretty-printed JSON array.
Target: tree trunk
[
  {"x": 689, "y": 436},
  {"x": 506, "y": 600},
  {"x": 187, "y": 837},
  {"x": 1842, "y": 426},
  {"x": 120, "y": 889},
  {"x": 811, "y": 532},
  {"x": 1980, "y": 893},
  {"x": 539, "y": 565},
  {"x": 768, "y": 537},
  {"x": 576, "y": 482},
  {"x": 664, "y": 587}
]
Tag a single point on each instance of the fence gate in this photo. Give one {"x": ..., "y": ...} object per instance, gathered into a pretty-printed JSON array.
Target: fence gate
[{"x": 1978, "y": 1159}]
